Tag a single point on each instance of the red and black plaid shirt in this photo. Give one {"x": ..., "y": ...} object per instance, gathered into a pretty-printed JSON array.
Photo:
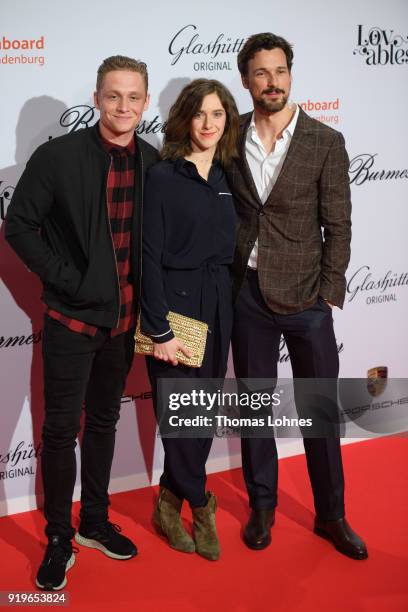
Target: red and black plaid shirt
[{"x": 120, "y": 194}]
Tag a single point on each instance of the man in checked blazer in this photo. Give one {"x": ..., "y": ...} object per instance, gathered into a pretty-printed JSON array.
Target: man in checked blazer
[{"x": 291, "y": 189}]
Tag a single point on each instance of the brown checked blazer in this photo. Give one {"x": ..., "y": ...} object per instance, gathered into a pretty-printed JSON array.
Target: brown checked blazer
[{"x": 304, "y": 227}]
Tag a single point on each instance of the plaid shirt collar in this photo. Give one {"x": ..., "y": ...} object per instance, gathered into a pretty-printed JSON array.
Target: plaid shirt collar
[{"x": 111, "y": 147}]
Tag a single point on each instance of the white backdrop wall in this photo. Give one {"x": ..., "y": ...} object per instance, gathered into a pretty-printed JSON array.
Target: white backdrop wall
[{"x": 350, "y": 71}]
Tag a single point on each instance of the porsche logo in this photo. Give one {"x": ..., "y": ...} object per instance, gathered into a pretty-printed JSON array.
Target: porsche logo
[{"x": 377, "y": 380}]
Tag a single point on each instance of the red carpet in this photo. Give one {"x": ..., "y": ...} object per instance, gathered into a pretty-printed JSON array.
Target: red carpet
[{"x": 298, "y": 572}]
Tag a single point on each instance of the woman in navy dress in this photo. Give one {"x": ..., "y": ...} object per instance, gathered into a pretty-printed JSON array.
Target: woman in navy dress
[{"x": 188, "y": 246}]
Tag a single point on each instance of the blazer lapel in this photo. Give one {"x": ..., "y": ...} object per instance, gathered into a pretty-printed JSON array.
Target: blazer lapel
[
  {"x": 295, "y": 154},
  {"x": 242, "y": 160}
]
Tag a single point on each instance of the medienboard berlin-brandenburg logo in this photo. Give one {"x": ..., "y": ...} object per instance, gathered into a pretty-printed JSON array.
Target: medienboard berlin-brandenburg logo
[
  {"x": 22, "y": 50},
  {"x": 325, "y": 111}
]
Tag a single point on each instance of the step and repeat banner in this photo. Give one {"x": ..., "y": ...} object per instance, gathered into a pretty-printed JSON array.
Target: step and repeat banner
[{"x": 350, "y": 72}]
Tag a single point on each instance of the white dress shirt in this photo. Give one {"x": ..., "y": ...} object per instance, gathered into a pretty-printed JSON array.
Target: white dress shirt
[{"x": 265, "y": 168}]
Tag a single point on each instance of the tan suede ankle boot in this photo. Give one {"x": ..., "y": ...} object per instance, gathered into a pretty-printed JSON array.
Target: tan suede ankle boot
[
  {"x": 204, "y": 529},
  {"x": 166, "y": 518}
]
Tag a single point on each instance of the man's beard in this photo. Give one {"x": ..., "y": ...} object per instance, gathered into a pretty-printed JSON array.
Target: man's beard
[{"x": 271, "y": 106}]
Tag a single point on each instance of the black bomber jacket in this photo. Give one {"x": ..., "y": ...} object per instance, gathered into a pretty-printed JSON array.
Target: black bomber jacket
[{"x": 58, "y": 223}]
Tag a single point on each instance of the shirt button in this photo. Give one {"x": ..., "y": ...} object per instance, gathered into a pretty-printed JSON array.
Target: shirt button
[{"x": 261, "y": 213}]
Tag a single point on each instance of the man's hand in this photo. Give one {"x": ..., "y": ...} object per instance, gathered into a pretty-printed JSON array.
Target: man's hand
[{"x": 166, "y": 351}]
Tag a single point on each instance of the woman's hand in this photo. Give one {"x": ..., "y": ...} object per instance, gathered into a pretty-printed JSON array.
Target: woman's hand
[{"x": 166, "y": 351}]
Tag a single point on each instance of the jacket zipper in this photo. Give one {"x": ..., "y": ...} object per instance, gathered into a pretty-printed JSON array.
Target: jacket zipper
[{"x": 113, "y": 244}]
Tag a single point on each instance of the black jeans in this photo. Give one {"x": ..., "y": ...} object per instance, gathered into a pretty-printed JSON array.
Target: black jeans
[
  {"x": 80, "y": 372},
  {"x": 312, "y": 347}
]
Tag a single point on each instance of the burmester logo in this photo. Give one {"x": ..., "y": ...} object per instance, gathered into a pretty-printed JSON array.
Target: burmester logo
[
  {"x": 83, "y": 115},
  {"x": 20, "y": 341},
  {"x": 375, "y": 288},
  {"x": 364, "y": 168},
  {"x": 284, "y": 356},
  {"x": 381, "y": 46},
  {"x": 73, "y": 119},
  {"x": 22, "y": 50},
  {"x": 188, "y": 43}
]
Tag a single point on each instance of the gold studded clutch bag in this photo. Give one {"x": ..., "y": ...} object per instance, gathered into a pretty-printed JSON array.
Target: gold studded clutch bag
[{"x": 192, "y": 333}]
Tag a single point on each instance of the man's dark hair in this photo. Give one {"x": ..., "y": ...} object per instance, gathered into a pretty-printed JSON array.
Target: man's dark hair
[{"x": 266, "y": 41}]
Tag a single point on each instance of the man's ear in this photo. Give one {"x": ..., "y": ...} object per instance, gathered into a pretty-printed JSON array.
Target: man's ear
[
  {"x": 95, "y": 97},
  {"x": 147, "y": 102},
  {"x": 244, "y": 80}
]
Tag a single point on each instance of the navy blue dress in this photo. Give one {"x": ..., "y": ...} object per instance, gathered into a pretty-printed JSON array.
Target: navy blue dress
[{"x": 188, "y": 246}]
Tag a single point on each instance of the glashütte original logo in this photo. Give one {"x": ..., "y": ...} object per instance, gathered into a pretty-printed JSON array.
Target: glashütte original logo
[
  {"x": 326, "y": 111},
  {"x": 22, "y": 50},
  {"x": 363, "y": 282},
  {"x": 361, "y": 169},
  {"x": 380, "y": 47},
  {"x": 187, "y": 42},
  {"x": 377, "y": 380},
  {"x": 15, "y": 460}
]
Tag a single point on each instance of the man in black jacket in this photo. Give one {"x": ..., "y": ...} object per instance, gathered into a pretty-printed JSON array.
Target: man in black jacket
[{"x": 75, "y": 220}]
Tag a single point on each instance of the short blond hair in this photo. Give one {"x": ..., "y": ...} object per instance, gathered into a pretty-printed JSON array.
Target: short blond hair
[{"x": 121, "y": 62}]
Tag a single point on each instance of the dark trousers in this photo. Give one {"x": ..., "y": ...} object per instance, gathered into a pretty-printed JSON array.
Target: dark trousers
[
  {"x": 80, "y": 372},
  {"x": 184, "y": 468},
  {"x": 185, "y": 458},
  {"x": 312, "y": 347}
]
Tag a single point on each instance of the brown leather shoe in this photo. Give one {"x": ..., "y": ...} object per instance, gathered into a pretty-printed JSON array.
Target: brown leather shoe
[
  {"x": 257, "y": 533},
  {"x": 342, "y": 536}
]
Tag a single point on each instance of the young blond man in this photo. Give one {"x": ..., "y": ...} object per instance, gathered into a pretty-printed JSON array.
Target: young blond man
[{"x": 75, "y": 220}]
